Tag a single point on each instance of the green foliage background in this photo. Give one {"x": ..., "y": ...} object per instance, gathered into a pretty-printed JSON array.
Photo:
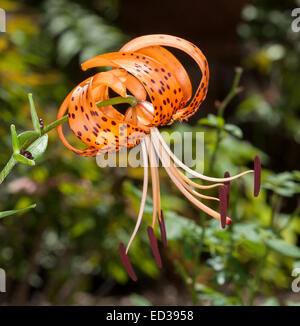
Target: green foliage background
[{"x": 65, "y": 251}]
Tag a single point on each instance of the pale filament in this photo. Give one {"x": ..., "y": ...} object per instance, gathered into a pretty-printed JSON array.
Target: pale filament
[
  {"x": 196, "y": 185},
  {"x": 156, "y": 134},
  {"x": 187, "y": 187},
  {"x": 155, "y": 181},
  {"x": 163, "y": 156},
  {"x": 144, "y": 195}
]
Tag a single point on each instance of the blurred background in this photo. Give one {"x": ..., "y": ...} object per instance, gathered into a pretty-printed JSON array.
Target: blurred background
[{"x": 65, "y": 252}]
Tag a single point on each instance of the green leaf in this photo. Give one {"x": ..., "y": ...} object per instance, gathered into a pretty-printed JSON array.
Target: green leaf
[
  {"x": 138, "y": 300},
  {"x": 216, "y": 263},
  {"x": 82, "y": 227},
  {"x": 292, "y": 303},
  {"x": 240, "y": 275},
  {"x": 22, "y": 159},
  {"x": 284, "y": 184},
  {"x": 34, "y": 116},
  {"x": 284, "y": 248},
  {"x": 179, "y": 227},
  {"x": 15, "y": 211},
  {"x": 271, "y": 302},
  {"x": 239, "y": 152},
  {"x": 247, "y": 230},
  {"x": 296, "y": 175},
  {"x": 187, "y": 249},
  {"x": 234, "y": 130},
  {"x": 14, "y": 139},
  {"x": 26, "y": 137},
  {"x": 213, "y": 121},
  {"x": 68, "y": 46},
  {"x": 221, "y": 277},
  {"x": 216, "y": 298},
  {"x": 38, "y": 147},
  {"x": 287, "y": 190},
  {"x": 256, "y": 106}
]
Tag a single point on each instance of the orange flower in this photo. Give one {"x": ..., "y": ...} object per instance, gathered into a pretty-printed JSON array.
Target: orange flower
[{"x": 163, "y": 89}]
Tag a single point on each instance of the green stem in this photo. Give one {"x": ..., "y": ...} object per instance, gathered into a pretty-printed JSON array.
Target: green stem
[
  {"x": 233, "y": 92},
  {"x": 8, "y": 167},
  {"x": 54, "y": 124},
  {"x": 132, "y": 101},
  {"x": 12, "y": 162},
  {"x": 221, "y": 109}
]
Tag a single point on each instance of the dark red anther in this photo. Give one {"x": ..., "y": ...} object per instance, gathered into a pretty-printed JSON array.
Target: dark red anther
[
  {"x": 163, "y": 232},
  {"x": 223, "y": 205},
  {"x": 154, "y": 246},
  {"x": 126, "y": 262},
  {"x": 41, "y": 122},
  {"x": 257, "y": 175},
  {"x": 227, "y": 184},
  {"x": 27, "y": 154}
]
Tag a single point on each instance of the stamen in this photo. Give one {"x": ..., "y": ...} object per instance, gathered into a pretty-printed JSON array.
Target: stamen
[
  {"x": 144, "y": 195},
  {"x": 227, "y": 184},
  {"x": 154, "y": 189},
  {"x": 162, "y": 155},
  {"x": 155, "y": 132},
  {"x": 195, "y": 193},
  {"x": 223, "y": 205},
  {"x": 155, "y": 181},
  {"x": 154, "y": 246},
  {"x": 257, "y": 175},
  {"x": 126, "y": 262},
  {"x": 196, "y": 185},
  {"x": 192, "y": 183},
  {"x": 163, "y": 229}
]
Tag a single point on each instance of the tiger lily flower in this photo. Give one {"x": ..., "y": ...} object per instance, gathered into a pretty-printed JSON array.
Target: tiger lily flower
[{"x": 144, "y": 69}]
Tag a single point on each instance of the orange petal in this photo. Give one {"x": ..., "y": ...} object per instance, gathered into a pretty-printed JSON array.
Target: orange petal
[
  {"x": 136, "y": 88},
  {"x": 168, "y": 60},
  {"x": 163, "y": 88},
  {"x": 109, "y": 79},
  {"x": 189, "y": 48},
  {"x": 96, "y": 129}
]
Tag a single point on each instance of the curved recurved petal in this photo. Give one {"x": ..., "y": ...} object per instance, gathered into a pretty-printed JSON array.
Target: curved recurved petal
[
  {"x": 62, "y": 110},
  {"x": 168, "y": 60},
  {"x": 161, "y": 85},
  {"x": 135, "y": 87},
  {"x": 109, "y": 79},
  {"x": 189, "y": 48},
  {"x": 99, "y": 131},
  {"x": 100, "y": 94}
]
